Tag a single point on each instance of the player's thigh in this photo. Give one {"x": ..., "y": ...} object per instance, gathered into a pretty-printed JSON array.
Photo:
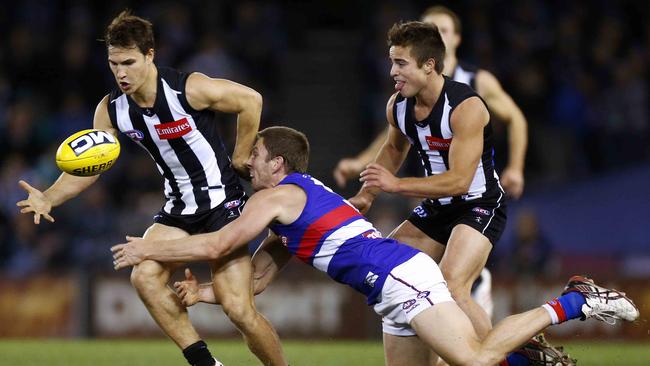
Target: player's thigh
[
  {"x": 409, "y": 234},
  {"x": 465, "y": 256},
  {"x": 448, "y": 331},
  {"x": 232, "y": 278},
  {"x": 407, "y": 351},
  {"x": 153, "y": 268}
]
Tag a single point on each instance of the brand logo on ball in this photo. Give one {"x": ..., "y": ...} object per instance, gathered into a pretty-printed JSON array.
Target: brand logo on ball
[
  {"x": 173, "y": 130},
  {"x": 84, "y": 142}
]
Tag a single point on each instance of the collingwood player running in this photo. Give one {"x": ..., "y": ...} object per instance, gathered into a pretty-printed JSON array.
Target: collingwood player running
[{"x": 171, "y": 115}]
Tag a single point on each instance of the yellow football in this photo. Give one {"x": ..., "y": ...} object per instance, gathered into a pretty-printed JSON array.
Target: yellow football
[{"x": 88, "y": 152}]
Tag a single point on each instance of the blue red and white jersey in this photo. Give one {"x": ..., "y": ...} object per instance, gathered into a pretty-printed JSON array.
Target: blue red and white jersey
[{"x": 332, "y": 236}]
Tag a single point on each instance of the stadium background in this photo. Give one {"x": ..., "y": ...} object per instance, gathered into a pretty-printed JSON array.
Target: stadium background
[{"x": 579, "y": 71}]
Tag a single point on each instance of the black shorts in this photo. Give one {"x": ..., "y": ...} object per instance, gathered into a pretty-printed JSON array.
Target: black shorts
[
  {"x": 487, "y": 216},
  {"x": 208, "y": 221}
]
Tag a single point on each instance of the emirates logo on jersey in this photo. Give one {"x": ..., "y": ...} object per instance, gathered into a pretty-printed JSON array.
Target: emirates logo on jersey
[
  {"x": 436, "y": 143},
  {"x": 173, "y": 130}
]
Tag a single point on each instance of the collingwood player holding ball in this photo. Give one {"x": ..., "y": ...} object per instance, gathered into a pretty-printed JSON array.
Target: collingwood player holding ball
[{"x": 171, "y": 115}]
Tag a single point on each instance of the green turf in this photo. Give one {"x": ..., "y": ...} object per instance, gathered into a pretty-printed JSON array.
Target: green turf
[{"x": 231, "y": 353}]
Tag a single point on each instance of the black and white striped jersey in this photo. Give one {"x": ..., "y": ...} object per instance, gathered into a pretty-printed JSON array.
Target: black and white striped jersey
[
  {"x": 465, "y": 73},
  {"x": 431, "y": 139},
  {"x": 183, "y": 142}
]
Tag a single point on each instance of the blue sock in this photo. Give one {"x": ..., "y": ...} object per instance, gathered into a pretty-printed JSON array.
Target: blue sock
[
  {"x": 516, "y": 359},
  {"x": 565, "y": 307}
]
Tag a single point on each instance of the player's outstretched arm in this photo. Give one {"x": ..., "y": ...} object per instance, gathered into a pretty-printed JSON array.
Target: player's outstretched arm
[
  {"x": 350, "y": 168},
  {"x": 260, "y": 210},
  {"x": 66, "y": 186},
  {"x": 506, "y": 110},
  {"x": 191, "y": 292},
  {"x": 268, "y": 261},
  {"x": 229, "y": 97}
]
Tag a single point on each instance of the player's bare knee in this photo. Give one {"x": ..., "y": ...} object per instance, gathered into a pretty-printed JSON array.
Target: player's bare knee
[
  {"x": 460, "y": 290},
  {"x": 147, "y": 275},
  {"x": 240, "y": 311}
]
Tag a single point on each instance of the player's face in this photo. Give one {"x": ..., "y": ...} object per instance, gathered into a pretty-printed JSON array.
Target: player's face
[
  {"x": 130, "y": 67},
  {"x": 409, "y": 78},
  {"x": 260, "y": 169},
  {"x": 446, "y": 28}
]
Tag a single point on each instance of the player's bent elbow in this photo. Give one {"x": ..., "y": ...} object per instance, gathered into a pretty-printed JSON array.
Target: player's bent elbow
[{"x": 254, "y": 98}]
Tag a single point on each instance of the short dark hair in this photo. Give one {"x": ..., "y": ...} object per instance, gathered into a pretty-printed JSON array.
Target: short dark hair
[
  {"x": 128, "y": 31},
  {"x": 439, "y": 9},
  {"x": 291, "y": 144},
  {"x": 424, "y": 39}
]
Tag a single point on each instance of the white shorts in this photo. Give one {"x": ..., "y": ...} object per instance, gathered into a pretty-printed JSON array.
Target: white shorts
[
  {"x": 410, "y": 288},
  {"x": 482, "y": 294}
]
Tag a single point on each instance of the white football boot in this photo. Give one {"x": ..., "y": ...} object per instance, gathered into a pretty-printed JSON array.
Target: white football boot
[{"x": 602, "y": 303}]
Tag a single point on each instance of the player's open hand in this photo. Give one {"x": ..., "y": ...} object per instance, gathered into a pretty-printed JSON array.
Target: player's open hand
[
  {"x": 345, "y": 170},
  {"x": 128, "y": 254},
  {"x": 36, "y": 202},
  {"x": 377, "y": 176},
  {"x": 512, "y": 181},
  {"x": 188, "y": 290}
]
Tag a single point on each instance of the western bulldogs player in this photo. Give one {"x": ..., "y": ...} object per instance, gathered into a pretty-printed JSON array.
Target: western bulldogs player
[
  {"x": 404, "y": 285},
  {"x": 171, "y": 115}
]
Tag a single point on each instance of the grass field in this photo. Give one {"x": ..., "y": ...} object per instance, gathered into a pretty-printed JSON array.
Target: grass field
[{"x": 231, "y": 353}]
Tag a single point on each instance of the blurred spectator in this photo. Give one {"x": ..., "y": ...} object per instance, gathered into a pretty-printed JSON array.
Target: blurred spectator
[
  {"x": 531, "y": 253},
  {"x": 578, "y": 70}
]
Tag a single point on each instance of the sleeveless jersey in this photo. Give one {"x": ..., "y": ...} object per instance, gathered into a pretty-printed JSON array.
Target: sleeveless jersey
[
  {"x": 465, "y": 73},
  {"x": 182, "y": 141},
  {"x": 332, "y": 236},
  {"x": 431, "y": 139}
]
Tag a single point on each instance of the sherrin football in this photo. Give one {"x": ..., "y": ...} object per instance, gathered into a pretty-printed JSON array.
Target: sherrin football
[{"x": 88, "y": 152}]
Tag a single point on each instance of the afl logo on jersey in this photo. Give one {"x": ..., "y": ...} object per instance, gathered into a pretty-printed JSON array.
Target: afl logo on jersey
[
  {"x": 135, "y": 135},
  {"x": 173, "y": 130}
]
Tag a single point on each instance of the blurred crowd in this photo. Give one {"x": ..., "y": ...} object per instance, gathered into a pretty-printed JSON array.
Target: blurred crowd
[{"x": 578, "y": 70}]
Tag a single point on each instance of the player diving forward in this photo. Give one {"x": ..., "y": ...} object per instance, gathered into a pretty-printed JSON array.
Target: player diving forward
[{"x": 405, "y": 286}]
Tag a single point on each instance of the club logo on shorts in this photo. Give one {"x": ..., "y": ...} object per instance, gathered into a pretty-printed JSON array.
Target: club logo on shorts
[
  {"x": 135, "y": 135},
  {"x": 173, "y": 130},
  {"x": 231, "y": 204},
  {"x": 481, "y": 211},
  {"x": 409, "y": 305},
  {"x": 420, "y": 211},
  {"x": 284, "y": 240},
  {"x": 423, "y": 294}
]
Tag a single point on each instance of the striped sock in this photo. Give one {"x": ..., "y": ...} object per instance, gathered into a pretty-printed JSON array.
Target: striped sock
[{"x": 565, "y": 307}]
